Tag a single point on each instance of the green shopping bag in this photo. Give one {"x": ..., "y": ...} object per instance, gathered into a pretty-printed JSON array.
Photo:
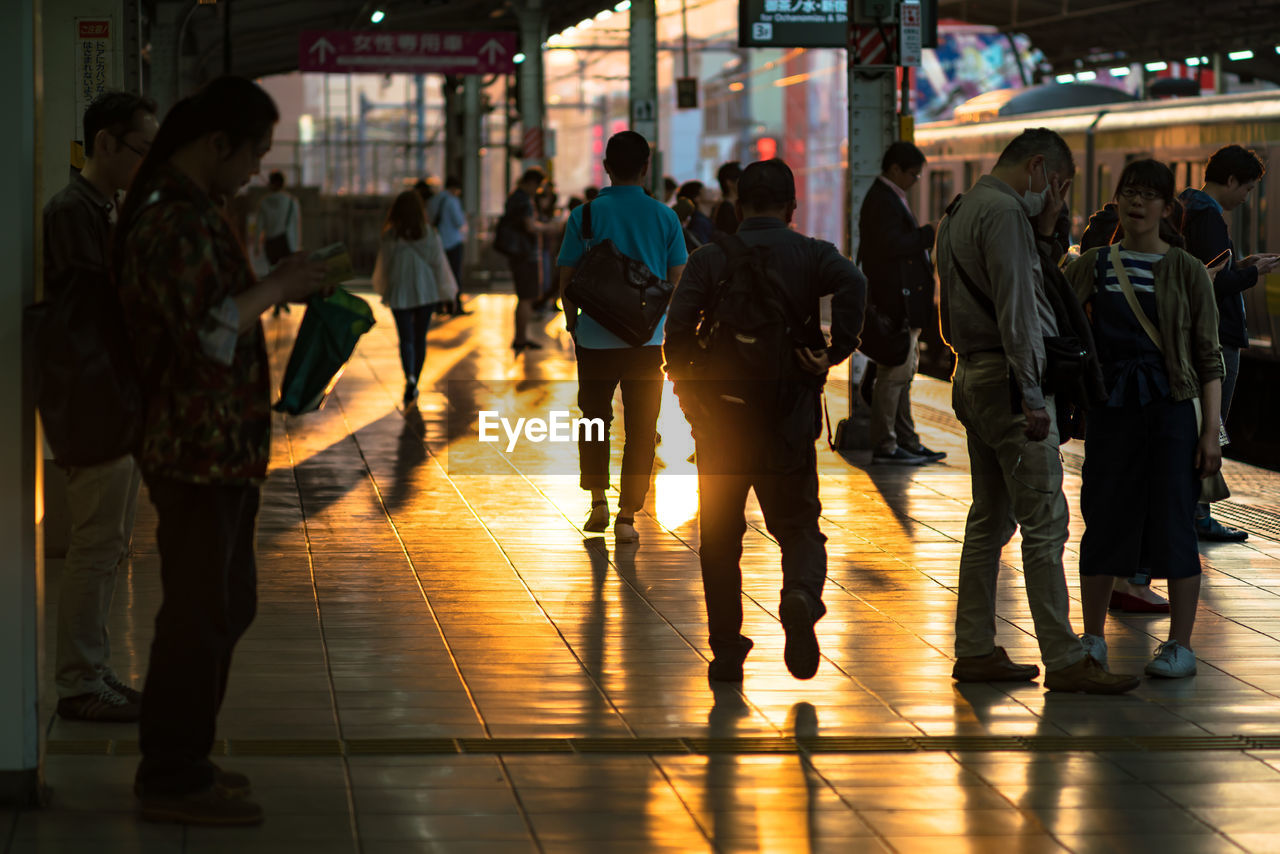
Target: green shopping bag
[{"x": 328, "y": 335}]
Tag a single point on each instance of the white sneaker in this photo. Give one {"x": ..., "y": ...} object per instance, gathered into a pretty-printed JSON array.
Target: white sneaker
[
  {"x": 1172, "y": 661},
  {"x": 1095, "y": 646}
]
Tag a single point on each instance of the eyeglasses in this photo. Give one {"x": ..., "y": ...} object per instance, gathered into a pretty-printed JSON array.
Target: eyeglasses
[
  {"x": 141, "y": 152},
  {"x": 1135, "y": 193}
]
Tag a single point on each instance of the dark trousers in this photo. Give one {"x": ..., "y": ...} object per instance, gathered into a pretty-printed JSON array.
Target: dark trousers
[
  {"x": 1138, "y": 491},
  {"x": 786, "y": 485},
  {"x": 209, "y": 580},
  {"x": 639, "y": 371},
  {"x": 454, "y": 257},
  {"x": 411, "y": 326},
  {"x": 1231, "y": 360}
]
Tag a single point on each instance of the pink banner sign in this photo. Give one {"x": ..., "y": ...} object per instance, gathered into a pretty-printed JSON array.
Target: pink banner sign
[{"x": 343, "y": 51}]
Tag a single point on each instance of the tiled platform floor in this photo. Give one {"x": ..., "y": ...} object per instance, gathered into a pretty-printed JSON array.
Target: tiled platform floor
[{"x": 443, "y": 661}]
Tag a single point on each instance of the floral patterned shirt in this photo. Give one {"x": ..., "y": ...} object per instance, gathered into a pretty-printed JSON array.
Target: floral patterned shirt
[{"x": 208, "y": 420}]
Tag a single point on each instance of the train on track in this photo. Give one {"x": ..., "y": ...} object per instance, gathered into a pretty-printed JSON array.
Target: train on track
[{"x": 1181, "y": 133}]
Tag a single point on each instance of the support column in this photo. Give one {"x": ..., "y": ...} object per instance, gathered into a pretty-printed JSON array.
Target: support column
[
  {"x": 454, "y": 132},
  {"x": 872, "y": 126},
  {"x": 471, "y": 139},
  {"x": 642, "y": 43},
  {"x": 165, "y": 85},
  {"x": 21, "y": 589},
  {"x": 533, "y": 32}
]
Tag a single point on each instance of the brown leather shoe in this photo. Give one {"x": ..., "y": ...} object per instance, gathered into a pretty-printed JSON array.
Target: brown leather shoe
[
  {"x": 995, "y": 666},
  {"x": 1087, "y": 676}
]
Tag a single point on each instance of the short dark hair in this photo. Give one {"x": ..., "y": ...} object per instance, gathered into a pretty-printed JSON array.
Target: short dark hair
[
  {"x": 626, "y": 153},
  {"x": 115, "y": 112},
  {"x": 728, "y": 174},
  {"x": 1044, "y": 142},
  {"x": 453, "y": 182},
  {"x": 276, "y": 179},
  {"x": 690, "y": 190},
  {"x": 904, "y": 155},
  {"x": 533, "y": 173},
  {"x": 1233, "y": 161},
  {"x": 766, "y": 184},
  {"x": 670, "y": 183}
]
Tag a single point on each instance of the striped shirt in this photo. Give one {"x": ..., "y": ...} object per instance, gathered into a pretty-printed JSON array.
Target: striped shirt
[{"x": 1139, "y": 266}]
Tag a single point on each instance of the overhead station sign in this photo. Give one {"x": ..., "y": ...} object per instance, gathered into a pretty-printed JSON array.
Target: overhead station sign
[
  {"x": 792, "y": 23},
  {"x": 350, "y": 51}
]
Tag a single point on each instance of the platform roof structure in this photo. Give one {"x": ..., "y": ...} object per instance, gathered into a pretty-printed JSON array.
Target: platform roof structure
[
  {"x": 1073, "y": 34},
  {"x": 264, "y": 33},
  {"x": 1084, "y": 34}
]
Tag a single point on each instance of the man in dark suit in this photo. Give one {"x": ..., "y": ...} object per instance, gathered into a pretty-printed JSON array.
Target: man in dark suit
[{"x": 894, "y": 254}]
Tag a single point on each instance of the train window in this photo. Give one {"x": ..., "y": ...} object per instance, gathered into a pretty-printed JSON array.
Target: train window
[
  {"x": 942, "y": 189},
  {"x": 971, "y": 174}
]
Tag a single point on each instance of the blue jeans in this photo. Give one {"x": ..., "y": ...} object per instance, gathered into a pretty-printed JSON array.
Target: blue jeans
[{"x": 412, "y": 325}]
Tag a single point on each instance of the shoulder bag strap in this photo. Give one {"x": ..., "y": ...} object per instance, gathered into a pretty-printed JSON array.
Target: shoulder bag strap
[
  {"x": 1147, "y": 326},
  {"x": 586, "y": 232},
  {"x": 984, "y": 301},
  {"x": 1132, "y": 299}
]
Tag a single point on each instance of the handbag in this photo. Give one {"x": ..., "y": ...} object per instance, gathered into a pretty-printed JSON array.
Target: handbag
[
  {"x": 326, "y": 339},
  {"x": 509, "y": 240},
  {"x": 884, "y": 341},
  {"x": 1214, "y": 487},
  {"x": 617, "y": 291}
]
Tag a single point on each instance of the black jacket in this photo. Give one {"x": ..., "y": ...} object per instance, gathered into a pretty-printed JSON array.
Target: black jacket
[
  {"x": 814, "y": 268},
  {"x": 1205, "y": 231},
  {"x": 893, "y": 253}
]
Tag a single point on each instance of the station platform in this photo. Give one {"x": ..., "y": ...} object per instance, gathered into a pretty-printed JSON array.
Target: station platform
[{"x": 443, "y": 661}]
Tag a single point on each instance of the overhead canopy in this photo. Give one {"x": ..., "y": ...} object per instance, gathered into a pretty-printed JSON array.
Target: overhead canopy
[
  {"x": 1119, "y": 32},
  {"x": 264, "y": 33},
  {"x": 1069, "y": 32}
]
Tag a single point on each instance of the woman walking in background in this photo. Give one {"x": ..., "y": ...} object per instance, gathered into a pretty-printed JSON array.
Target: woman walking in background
[{"x": 413, "y": 278}]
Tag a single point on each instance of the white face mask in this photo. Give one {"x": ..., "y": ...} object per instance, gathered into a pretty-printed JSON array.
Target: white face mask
[{"x": 1035, "y": 201}]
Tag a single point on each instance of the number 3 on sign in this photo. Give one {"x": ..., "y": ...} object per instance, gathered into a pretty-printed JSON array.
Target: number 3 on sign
[{"x": 762, "y": 32}]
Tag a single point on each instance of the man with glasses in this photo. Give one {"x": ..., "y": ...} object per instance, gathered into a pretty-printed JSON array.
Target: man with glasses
[
  {"x": 995, "y": 315},
  {"x": 101, "y": 499}
]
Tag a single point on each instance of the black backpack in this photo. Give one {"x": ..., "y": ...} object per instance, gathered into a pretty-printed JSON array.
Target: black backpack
[
  {"x": 87, "y": 386},
  {"x": 744, "y": 362}
]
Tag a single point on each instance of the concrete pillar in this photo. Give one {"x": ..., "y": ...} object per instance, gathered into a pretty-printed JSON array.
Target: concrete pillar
[
  {"x": 166, "y": 87},
  {"x": 642, "y": 42},
  {"x": 471, "y": 139},
  {"x": 533, "y": 32},
  {"x": 21, "y": 590},
  {"x": 872, "y": 127}
]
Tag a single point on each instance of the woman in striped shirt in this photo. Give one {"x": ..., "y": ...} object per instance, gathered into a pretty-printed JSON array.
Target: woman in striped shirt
[{"x": 1152, "y": 309}]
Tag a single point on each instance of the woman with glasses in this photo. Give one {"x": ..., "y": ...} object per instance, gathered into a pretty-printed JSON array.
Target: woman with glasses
[{"x": 1152, "y": 309}]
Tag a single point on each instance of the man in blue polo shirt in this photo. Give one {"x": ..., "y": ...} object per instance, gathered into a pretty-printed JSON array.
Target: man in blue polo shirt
[{"x": 646, "y": 230}]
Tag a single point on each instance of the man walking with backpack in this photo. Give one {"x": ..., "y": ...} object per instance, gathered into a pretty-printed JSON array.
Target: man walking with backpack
[
  {"x": 101, "y": 499},
  {"x": 749, "y": 358},
  {"x": 645, "y": 230}
]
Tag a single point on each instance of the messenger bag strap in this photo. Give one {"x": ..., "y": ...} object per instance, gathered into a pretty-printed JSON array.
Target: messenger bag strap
[{"x": 1131, "y": 298}]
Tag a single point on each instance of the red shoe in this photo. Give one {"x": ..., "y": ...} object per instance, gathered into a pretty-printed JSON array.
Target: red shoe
[{"x": 1130, "y": 604}]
